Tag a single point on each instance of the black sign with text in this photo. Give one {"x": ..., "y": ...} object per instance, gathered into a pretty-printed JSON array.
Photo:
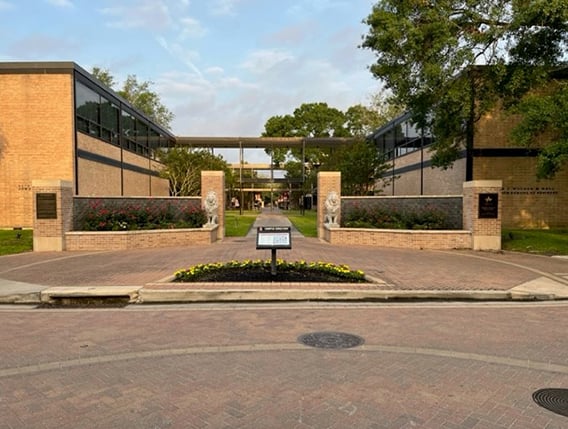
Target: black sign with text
[
  {"x": 488, "y": 206},
  {"x": 46, "y": 206}
]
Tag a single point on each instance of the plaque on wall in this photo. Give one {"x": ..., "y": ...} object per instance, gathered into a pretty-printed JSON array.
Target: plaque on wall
[
  {"x": 46, "y": 206},
  {"x": 488, "y": 206}
]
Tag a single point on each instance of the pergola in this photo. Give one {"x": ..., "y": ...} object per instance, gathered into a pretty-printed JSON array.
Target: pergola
[{"x": 242, "y": 143}]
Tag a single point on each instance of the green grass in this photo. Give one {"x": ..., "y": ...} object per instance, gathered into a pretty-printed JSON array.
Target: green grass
[
  {"x": 10, "y": 243},
  {"x": 541, "y": 241},
  {"x": 305, "y": 223},
  {"x": 237, "y": 225}
]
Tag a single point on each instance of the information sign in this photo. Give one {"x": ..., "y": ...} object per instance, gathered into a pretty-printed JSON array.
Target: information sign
[
  {"x": 274, "y": 237},
  {"x": 46, "y": 206},
  {"x": 488, "y": 206}
]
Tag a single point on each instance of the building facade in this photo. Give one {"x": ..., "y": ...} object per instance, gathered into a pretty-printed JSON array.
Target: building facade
[
  {"x": 527, "y": 202},
  {"x": 58, "y": 122}
]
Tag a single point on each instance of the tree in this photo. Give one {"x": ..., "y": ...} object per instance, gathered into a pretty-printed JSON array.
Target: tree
[
  {"x": 320, "y": 120},
  {"x": 428, "y": 53},
  {"x": 361, "y": 167},
  {"x": 545, "y": 114},
  {"x": 183, "y": 166},
  {"x": 139, "y": 94}
]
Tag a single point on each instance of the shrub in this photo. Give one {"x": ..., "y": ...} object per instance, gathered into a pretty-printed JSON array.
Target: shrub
[
  {"x": 361, "y": 217},
  {"x": 101, "y": 216}
]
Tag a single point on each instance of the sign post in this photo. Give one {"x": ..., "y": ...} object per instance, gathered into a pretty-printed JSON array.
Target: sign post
[{"x": 273, "y": 238}]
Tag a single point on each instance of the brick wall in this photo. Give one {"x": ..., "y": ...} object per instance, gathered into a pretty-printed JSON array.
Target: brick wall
[
  {"x": 36, "y": 136},
  {"x": 124, "y": 240},
  {"x": 400, "y": 238},
  {"x": 96, "y": 178}
]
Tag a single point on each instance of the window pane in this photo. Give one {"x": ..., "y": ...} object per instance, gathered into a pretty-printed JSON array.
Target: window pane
[{"x": 87, "y": 103}]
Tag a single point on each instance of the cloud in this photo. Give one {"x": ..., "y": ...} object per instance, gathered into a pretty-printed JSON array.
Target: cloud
[
  {"x": 259, "y": 62},
  {"x": 148, "y": 14},
  {"x": 60, "y": 3},
  {"x": 4, "y": 5},
  {"x": 177, "y": 51},
  {"x": 42, "y": 47},
  {"x": 224, "y": 7},
  {"x": 191, "y": 28}
]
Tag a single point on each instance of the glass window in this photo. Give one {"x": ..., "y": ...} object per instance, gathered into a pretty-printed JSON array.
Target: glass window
[
  {"x": 87, "y": 104},
  {"x": 141, "y": 132},
  {"x": 109, "y": 120}
]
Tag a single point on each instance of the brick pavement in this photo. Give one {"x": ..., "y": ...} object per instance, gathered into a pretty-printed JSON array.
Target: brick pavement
[
  {"x": 422, "y": 366},
  {"x": 399, "y": 269}
]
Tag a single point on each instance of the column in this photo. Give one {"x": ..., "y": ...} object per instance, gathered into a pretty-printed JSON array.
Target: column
[
  {"x": 482, "y": 213},
  {"x": 53, "y": 214}
]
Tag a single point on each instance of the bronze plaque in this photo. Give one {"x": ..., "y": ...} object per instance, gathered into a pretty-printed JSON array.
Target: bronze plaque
[
  {"x": 488, "y": 206},
  {"x": 46, "y": 206}
]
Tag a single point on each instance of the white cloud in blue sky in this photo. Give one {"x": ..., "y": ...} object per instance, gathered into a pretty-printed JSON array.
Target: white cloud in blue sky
[{"x": 222, "y": 66}]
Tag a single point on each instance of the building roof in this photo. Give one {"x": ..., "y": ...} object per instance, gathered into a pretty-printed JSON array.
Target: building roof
[{"x": 262, "y": 142}]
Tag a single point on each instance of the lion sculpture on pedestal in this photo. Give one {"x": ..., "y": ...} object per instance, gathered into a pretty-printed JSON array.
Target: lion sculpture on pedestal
[
  {"x": 211, "y": 208},
  {"x": 332, "y": 206}
]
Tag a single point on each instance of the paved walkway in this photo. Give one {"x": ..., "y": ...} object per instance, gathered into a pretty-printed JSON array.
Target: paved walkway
[{"x": 400, "y": 273}]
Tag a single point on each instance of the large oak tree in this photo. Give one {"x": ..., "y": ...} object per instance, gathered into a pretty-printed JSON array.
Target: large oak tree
[{"x": 430, "y": 54}]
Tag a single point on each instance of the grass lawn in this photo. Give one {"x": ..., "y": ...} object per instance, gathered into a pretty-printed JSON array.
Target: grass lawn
[
  {"x": 10, "y": 243},
  {"x": 541, "y": 241},
  {"x": 305, "y": 223},
  {"x": 238, "y": 225}
]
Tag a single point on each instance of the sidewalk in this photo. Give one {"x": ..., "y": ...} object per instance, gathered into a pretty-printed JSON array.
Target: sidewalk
[{"x": 142, "y": 275}]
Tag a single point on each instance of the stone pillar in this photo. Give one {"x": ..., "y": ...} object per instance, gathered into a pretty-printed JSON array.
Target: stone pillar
[
  {"x": 213, "y": 187},
  {"x": 53, "y": 213},
  {"x": 328, "y": 182},
  {"x": 482, "y": 213}
]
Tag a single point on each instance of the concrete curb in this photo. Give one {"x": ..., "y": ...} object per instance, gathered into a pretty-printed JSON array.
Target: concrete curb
[{"x": 154, "y": 296}]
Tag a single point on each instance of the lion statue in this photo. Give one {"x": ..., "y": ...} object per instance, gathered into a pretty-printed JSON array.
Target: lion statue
[
  {"x": 332, "y": 206},
  {"x": 211, "y": 208}
]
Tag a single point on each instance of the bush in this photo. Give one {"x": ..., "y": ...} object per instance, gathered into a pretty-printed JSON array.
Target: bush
[
  {"x": 102, "y": 216},
  {"x": 361, "y": 217}
]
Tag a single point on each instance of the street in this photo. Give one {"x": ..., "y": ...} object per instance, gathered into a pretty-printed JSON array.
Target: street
[{"x": 422, "y": 365}]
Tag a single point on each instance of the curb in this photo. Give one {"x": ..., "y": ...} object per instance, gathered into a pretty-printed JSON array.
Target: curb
[
  {"x": 154, "y": 296},
  {"x": 141, "y": 295}
]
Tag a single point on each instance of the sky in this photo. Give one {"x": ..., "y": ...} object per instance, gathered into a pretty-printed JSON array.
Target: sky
[{"x": 223, "y": 67}]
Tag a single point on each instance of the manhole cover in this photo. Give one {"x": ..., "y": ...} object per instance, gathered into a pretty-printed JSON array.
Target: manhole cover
[
  {"x": 555, "y": 400},
  {"x": 330, "y": 340}
]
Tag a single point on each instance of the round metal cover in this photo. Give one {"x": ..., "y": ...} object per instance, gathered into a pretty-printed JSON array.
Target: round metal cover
[
  {"x": 555, "y": 400},
  {"x": 330, "y": 340}
]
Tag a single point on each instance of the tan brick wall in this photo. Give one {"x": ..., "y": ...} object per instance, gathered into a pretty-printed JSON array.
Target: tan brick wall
[
  {"x": 435, "y": 181},
  {"x": 49, "y": 233},
  {"x": 486, "y": 232},
  {"x": 105, "y": 180},
  {"x": 36, "y": 139},
  {"x": 526, "y": 201},
  {"x": 124, "y": 240},
  {"x": 158, "y": 186},
  {"x": 400, "y": 238}
]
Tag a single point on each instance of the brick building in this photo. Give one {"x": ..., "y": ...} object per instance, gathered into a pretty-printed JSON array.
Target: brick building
[
  {"x": 58, "y": 122},
  {"x": 527, "y": 202}
]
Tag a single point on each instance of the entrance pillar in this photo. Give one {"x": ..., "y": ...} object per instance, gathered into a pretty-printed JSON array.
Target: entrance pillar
[
  {"x": 482, "y": 213},
  {"x": 213, "y": 192},
  {"x": 53, "y": 214},
  {"x": 328, "y": 182}
]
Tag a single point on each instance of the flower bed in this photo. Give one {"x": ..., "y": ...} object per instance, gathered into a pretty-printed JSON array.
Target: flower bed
[{"x": 260, "y": 271}]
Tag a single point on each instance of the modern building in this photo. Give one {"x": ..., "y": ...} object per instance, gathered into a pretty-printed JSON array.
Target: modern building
[
  {"x": 58, "y": 122},
  {"x": 527, "y": 202}
]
